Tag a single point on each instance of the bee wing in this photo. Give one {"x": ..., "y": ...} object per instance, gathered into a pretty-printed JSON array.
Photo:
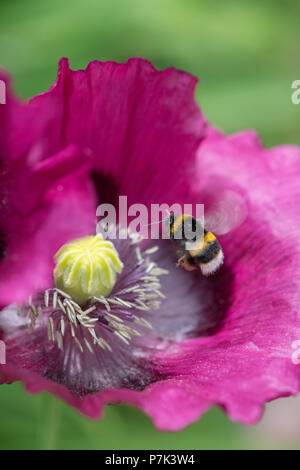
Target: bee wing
[{"x": 226, "y": 213}]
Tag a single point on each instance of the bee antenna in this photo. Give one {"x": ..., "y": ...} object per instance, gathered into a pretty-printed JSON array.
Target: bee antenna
[{"x": 159, "y": 221}]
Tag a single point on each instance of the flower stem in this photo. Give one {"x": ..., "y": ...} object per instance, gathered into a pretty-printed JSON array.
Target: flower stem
[{"x": 51, "y": 420}]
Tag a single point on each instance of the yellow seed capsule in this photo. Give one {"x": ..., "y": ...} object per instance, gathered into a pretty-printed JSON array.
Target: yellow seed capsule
[{"x": 86, "y": 267}]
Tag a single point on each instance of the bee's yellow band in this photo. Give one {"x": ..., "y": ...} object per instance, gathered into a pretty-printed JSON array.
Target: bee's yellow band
[
  {"x": 208, "y": 237},
  {"x": 178, "y": 221}
]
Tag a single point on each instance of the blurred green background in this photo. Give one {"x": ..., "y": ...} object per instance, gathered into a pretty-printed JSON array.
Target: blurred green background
[{"x": 246, "y": 55}]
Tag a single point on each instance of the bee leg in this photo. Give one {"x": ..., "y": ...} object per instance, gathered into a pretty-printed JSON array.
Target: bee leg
[
  {"x": 181, "y": 261},
  {"x": 185, "y": 263}
]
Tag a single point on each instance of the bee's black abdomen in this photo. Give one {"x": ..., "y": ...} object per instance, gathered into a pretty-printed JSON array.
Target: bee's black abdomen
[{"x": 210, "y": 251}]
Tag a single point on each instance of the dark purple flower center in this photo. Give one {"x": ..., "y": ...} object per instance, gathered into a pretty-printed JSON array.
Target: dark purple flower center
[{"x": 196, "y": 305}]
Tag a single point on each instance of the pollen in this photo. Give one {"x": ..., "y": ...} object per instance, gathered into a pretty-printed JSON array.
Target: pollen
[{"x": 87, "y": 267}]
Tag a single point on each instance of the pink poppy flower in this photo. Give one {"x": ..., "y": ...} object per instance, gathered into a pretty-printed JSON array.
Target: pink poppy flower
[{"x": 170, "y": 342}]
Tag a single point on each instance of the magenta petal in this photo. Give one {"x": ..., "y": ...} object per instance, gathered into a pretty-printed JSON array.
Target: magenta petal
[
  {"x": 161, "y": 401},
  {"x": 134, "y": 120},
  {"x": 21, "y": 125},
  {"x": 28, "y": 189}
]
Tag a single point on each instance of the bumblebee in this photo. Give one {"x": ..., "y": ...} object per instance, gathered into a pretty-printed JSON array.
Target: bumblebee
[{"x": 206, "y": 252}]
